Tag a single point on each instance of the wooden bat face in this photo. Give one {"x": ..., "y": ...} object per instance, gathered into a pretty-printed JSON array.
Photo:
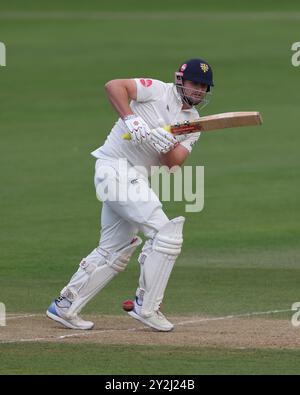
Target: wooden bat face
[
  {"x": 214, "y": 122},
  {"x": 217, "y": 121}
]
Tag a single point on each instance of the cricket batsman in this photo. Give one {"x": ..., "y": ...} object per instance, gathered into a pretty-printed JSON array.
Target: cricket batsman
[{"x": 144, "y": 105}]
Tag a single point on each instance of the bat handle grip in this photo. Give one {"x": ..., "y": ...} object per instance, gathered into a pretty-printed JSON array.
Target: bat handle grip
[{"x": 127, "y": 136}]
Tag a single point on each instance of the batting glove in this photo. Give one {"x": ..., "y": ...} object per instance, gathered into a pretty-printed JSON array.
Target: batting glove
[
  {"x": 162, "y": 140},
  {"x": 138, "y": 129}
]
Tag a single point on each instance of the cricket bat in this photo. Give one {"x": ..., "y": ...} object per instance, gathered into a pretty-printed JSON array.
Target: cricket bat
[{"x": 213, "y": 122}]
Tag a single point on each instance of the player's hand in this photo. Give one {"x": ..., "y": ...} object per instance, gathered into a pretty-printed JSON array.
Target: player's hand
[
  {"x": 162, "y": 140},
  {"x": 138, "y": 129}
]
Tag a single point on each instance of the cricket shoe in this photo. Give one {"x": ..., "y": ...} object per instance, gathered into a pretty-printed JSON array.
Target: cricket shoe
[
  {"x": 57, "y": 311},
  {"x": 157, "y": 320}
]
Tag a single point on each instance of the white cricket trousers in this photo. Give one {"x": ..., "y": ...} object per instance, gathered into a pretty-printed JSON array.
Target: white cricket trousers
[{"x": 132, "y": 209}]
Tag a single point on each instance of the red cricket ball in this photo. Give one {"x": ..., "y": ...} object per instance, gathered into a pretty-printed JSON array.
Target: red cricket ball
[{"x": 128, "y": 305}]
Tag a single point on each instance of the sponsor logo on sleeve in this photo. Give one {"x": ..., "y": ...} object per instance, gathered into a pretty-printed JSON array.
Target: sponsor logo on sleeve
[{"x": 146, "y": 83}]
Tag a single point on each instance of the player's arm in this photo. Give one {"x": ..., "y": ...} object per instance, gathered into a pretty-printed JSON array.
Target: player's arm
[
  {"x": 175, "y": 157},
  {"x": 119, "y": 93}
]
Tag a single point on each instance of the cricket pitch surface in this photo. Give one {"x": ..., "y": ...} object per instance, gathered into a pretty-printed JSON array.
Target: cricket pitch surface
[{"x": 238, "y": 331}]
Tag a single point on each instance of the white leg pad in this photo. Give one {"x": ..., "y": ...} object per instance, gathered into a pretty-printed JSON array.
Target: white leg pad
[
  {"x": 95, "y": 271},
  {"x": 147, "y": 249},
  {"x": 157, "y": 264}
]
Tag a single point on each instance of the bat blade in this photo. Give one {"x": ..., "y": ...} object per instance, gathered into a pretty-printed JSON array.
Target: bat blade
[
  {"x": 219, "y": 121},
  {"x": 214, "y": 122}
]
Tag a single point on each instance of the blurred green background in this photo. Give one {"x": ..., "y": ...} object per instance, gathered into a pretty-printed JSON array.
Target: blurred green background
[
  {"x": 54, "y": 112},
  {"x": 241, "y": 253}
]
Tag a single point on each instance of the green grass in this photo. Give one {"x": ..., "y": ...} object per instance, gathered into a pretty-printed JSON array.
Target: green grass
[
  {"x": 241, "y": 253},
  {"x": 191, "y": 290},
  {"x": 46, "y": 358}
]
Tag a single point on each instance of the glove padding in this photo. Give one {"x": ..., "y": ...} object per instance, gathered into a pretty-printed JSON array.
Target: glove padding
[
  {"x": 138, "y": 129},
  {"x": 162, "y": 140}
]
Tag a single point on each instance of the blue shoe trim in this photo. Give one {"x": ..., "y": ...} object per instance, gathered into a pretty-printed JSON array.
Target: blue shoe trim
[{"x": 52, "y": 309}]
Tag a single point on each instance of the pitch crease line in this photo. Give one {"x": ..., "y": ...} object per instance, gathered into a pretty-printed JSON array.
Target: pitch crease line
[{"x": 233, "y": 316}]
